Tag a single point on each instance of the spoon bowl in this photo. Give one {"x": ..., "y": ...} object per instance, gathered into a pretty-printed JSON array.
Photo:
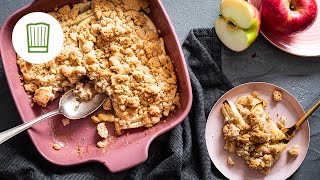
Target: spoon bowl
[{"x": 73, "y": 107}]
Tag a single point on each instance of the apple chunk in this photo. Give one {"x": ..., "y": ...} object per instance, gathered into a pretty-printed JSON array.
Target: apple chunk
[{"x": 239, "y": 25}]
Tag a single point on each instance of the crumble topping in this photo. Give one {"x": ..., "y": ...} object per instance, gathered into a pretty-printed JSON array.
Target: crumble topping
[
  {"x": 103, "y": 143},
  {"x": 106, "y": 117},
  {"x": 294, "y": 151},
  {"x": 56, "y": 147},
  {"x": 250, "y": 132},
  {"x": 277, "y": 95},
  {"x": 230, "y": 161},
  {"x": 110, "y": 46},
  {"x": 107, "y": 105},
  {"x": 95, "y": 119},
  {"x": 65, "y": 121},
  {"x": 281, "y": 123},
  {"x": 255, "y": 94},
  {"x": 102, "y": 130},
  {"x": 43, "y": 95}
]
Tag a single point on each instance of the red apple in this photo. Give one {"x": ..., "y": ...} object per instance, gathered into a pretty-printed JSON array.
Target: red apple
[{"x": 288, "y": 16}]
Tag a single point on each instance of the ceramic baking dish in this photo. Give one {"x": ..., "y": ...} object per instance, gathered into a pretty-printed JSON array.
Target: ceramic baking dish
[{"x": 78, "y": 140}]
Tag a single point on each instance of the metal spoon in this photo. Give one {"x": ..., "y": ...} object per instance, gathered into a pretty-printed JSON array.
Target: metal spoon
[
  {"x": 70, "y": 106},
  {"x": 289, "y": 132}
]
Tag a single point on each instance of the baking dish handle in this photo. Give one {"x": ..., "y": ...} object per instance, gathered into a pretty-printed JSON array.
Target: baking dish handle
[
  {"x": 0, "y": 41},
  {"x": 127, "y": 157}
]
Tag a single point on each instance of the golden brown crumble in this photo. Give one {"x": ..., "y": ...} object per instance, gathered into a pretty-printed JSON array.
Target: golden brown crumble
[
  {"x": 255, "y": 94},
  {"x": 95, "y": 119},
  {"x": 107, "y": 105},
  {"x": 106, "y": 117},
  {"x": 65, "y": 121},
  {"x": 56, "y": 146},
  {"x": 103, "y": 143},
  {"x": 250, "y": 133},
  {"x": 277, "y": 95},
  {"x": 230, "y": 161},
  {"x": 294, "y": 151},
  {"x": 43, "y": 95},
  {"x": 282, "y": 123},
  {"x": 109, "y": 47},
  {"x": 102, "y": 130}
]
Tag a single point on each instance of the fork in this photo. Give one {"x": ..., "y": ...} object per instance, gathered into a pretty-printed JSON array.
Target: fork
[{"x": 289, "y": 132}]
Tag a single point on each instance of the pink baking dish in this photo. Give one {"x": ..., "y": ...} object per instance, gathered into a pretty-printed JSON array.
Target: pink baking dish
[{"x": 78, "y": 140}]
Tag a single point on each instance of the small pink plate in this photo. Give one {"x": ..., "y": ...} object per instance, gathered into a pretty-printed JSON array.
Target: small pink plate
[
  {"x": 288, "y": 107},
  {"x": 306, "y": 43}
]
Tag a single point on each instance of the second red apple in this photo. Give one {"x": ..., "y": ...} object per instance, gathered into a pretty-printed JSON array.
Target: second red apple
[{"x": 288, "y": 16}]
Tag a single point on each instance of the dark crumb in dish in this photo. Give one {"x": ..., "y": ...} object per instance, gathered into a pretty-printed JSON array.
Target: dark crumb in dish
[
  {"x": 294, "y": 151},
  {"x": 65, "y": 121},
  {"x": 56, "y": 147},
  {"x": 277, "y": 95},
  {"x": 79, "y": 149},
  {"x": 230, "y": 161}
]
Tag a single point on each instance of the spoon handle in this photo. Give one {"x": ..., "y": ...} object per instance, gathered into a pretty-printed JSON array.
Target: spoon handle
[
  {"x": 5, "y": 135},
  {"x": 304, "y": 117}
]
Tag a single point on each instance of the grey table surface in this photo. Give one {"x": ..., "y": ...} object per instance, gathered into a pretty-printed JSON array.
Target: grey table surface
[{"x": 300, "y": 76}]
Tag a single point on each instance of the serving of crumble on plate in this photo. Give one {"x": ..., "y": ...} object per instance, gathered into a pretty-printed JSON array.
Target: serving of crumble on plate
[{"x": 246, "y": 125}]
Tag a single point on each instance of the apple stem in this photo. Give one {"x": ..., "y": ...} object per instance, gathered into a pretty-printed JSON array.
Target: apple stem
[{"x": 292, "y": 7}]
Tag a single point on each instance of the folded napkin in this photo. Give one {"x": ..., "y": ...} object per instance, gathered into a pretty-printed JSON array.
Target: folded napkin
[{"x": 180, "y": 153}]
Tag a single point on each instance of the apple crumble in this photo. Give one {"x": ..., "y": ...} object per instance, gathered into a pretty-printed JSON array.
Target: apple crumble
[
  {"x": 277, "y": 95},
  {"x": 294, "y": 151},
  {"x": 65, "y": 121},
  {"x": 251, "y": 134},
  {"x": 56, "y": 147},
  {"x": 230, "y": 161},
  {"x": 110, "y": 46}
]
